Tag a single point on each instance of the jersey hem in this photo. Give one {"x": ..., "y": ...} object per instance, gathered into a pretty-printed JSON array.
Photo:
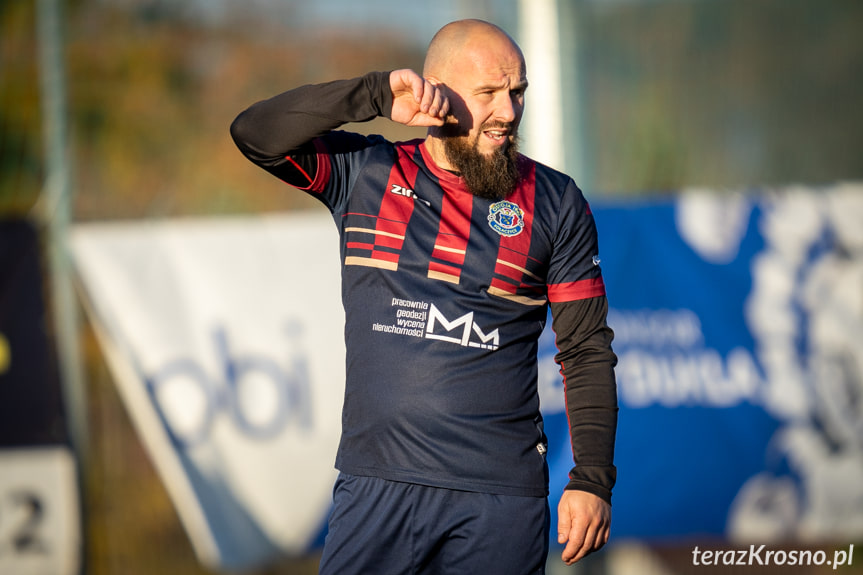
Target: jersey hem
[{"x": 444, "y": 483}]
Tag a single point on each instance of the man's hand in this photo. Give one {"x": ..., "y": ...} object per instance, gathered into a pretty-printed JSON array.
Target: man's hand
[
  {"x": 416, "y": 101},
  {"x": 583, "y": 523}
]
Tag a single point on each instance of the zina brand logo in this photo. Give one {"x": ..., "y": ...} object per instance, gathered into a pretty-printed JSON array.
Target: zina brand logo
[
  {"x": 408, "y": 193},
  {"x": 468, "y": 329},
  {"x": 506, "y": 218}
]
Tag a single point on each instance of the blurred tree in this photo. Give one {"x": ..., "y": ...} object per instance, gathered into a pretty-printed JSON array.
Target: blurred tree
[
  {"x": 731, "y": 93},
  {"x": 20, "y": 135},
  {"x": 153, "y": 96}
]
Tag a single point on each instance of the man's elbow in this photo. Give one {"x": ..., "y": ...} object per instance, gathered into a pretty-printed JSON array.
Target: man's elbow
[{"x": 240, "y": 132}]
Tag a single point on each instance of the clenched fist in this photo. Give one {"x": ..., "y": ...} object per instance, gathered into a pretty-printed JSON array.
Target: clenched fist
[{"x": 416, "y": 101}]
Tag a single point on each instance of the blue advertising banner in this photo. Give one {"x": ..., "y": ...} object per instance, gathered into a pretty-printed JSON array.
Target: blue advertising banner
[{"x": 738, "y": 326}]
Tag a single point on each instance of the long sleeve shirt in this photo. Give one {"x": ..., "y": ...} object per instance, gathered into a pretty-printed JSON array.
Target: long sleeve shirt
[{"x": 445, "y": 297}]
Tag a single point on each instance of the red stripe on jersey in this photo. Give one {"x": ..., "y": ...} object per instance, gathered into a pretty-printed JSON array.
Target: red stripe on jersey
[
  {"x": 453, "y": 231},
  {"x": 392, "y": 233},
  {"x": 572, "y": 291},
  {"x": 386, "y": 256},
  {"x": 396, "y": 210},
  {"x": 450, "y": 242},
  {"x": 503, "y": 285},
  {"x": 456, "y": 257},
  {"x": 444, "y": 269},
  {"x": 359, "y": 246},
  {"x": 322, "y": 175},
  {"x": 455, "y": 217},
  {"x": 508, "y": 271},
  {"x": 300, "y": 169},
  {"x": 515, "y": 249}
]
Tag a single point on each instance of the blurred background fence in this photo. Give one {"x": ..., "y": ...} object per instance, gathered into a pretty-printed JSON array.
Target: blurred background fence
[{"x": 655, "y": 97}]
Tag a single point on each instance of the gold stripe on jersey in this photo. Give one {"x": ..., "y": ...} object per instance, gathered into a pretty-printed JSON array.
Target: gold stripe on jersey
[
  {"x": 522, "y": 299},
  {"x": 371, "y": 263},
  {"x": 375, "y": 232}
]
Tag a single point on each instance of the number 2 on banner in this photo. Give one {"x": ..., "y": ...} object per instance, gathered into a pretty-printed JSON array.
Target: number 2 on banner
[
  {"x": 21, "y": 516},
  {"x": 39, "y": 530}
]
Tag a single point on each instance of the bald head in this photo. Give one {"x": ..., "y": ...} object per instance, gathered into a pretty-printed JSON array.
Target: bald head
[{"x": 461, "y": 40}]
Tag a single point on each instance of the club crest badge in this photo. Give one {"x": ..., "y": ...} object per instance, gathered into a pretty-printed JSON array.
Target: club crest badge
[{"x": 506, "y": 218}]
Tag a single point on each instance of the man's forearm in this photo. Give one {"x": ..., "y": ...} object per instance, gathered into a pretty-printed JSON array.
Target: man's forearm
[
  {"x": 271, "y": 130},
  {"x": 587, "y": 362}
]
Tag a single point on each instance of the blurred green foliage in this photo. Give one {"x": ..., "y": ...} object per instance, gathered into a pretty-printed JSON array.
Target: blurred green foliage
[
  {"x": 151, "y": 97},
  {"x": 723, "y": 93}
]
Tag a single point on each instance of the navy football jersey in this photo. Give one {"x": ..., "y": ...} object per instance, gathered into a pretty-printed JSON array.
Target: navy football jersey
[{"x": 445, "y": 296}]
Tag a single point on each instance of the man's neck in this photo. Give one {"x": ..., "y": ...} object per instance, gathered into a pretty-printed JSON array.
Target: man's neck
[{"x": 435, "y": 147}]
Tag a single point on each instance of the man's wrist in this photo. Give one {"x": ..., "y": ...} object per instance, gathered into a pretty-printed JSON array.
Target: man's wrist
[{"x": 599, "y": 491}]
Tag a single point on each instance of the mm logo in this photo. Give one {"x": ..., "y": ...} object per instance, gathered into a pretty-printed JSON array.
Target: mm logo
[{"x": 465, "y": 323}]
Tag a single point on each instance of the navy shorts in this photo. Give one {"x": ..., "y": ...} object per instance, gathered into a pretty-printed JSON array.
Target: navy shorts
[{"x": 380, "y": 527}]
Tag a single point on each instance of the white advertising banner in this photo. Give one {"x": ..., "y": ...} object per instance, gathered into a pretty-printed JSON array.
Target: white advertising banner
[{"x": 224, "y": 338}]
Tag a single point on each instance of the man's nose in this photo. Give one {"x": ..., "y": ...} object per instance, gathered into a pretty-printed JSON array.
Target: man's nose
[{"x": 506, "y": 109}]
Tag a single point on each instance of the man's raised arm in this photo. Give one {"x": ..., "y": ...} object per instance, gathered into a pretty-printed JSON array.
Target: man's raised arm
[{"x": 276, "y": 133}]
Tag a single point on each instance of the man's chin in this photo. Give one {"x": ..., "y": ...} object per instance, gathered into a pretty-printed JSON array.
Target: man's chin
[
  {"x": 499, "y": 149},
  {"x": 488, "y": 173}
]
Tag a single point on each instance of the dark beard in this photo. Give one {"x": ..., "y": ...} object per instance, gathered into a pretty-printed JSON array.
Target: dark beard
[{"x": 491, "y": 177}]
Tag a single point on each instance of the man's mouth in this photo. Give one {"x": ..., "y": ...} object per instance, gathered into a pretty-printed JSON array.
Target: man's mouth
[{"x": 498, "y": 134}]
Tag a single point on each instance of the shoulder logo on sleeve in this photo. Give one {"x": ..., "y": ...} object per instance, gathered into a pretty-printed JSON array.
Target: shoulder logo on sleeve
[{"x": 506, "y": 218}]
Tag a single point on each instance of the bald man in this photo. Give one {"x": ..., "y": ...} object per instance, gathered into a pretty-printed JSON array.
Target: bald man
[{"x": 453, "y": 249}]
